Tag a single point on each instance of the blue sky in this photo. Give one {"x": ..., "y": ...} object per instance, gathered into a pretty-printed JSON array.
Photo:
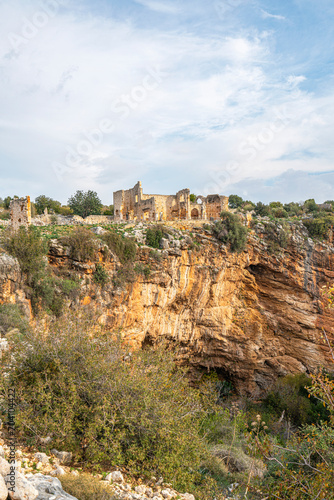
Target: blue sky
[{"x": 222, "y": 96}]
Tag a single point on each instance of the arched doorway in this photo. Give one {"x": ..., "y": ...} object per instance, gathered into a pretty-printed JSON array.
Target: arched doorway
[{"x": 194, "y": 213}]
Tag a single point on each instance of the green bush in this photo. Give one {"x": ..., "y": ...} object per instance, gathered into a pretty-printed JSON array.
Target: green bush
[
  {"x": 153, "y": 236},
  {"x": 277, "y": 237},
  {"x": 69, "y": 287},
  {"x": 45, "y": 290},
  {"x": 100, "y": 275},
  {"x": 82, "y": 244},
  {"x": 289, "y": 394},
  {"x": 4, "y": 215},
  {"x": 29, "y": 249},
  {"x": 106, "y": 406},
  {"x": 231, "y": 231},
  {"x": 124, "y": 248},
  {"x": 319, "y": 227},
  {"x": 142, "y": 269},
  {"x": 12, "y": 317},
  {"x": 262, "y": 209},
  {"x": 126, "y": 274}
]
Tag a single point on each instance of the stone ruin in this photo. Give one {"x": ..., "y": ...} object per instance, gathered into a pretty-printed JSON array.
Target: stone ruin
[
  {"x": 20, "y": 213},
  {"x": 132, "y": 204}
]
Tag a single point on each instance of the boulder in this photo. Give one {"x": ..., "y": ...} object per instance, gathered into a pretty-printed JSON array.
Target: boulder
[
  {"x": 49, "y": 488},
  {"x": 164, "y": 243},
  {"x": 4, "y": 467},
  {"x": 42, "y": 457},
  {"x": 58, "y": 471},
  {"x": 64, "y": 457},
  {"x": 3, "y": 489},
  {"x": 19, "y": 488},
  {"x": 117, "y": 476},
  {"x": 98, "y": 230}
]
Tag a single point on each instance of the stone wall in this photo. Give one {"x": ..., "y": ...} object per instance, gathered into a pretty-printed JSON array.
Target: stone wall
[
  {"x": 20, "y": 213},
  {"x": 69, "y": 220}
]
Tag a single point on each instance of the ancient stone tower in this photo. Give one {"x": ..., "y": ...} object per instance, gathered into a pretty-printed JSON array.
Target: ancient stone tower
[{"x": 20, "y": 212}]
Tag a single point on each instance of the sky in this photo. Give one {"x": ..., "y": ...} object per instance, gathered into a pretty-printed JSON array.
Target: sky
[{"x": 219, "y": 96}]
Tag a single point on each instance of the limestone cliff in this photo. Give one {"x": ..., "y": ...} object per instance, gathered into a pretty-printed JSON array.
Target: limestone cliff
[{"x": 251, "y": 317}]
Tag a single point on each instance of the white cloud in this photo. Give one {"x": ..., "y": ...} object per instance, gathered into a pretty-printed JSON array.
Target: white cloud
[
  {"x": 162, "y": 7},
  {"x": 210, "y": 94},
  {"x": 267, "y": 15}
]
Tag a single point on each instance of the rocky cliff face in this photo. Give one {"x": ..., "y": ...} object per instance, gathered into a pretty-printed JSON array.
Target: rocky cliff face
[
  {"x": 11, "y": 283},
  {"x": 251, "y": 317}
]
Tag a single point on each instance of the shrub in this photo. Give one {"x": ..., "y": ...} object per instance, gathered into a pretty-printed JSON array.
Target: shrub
[
  {"x": 144, "y": 270},
  {"x": 106, "y": 406},
  {"x": 262, "y": 209},
  {"x": 310, "y": 206},
  {"x": 11, "y": 317},
  {"x": 29, "y": 249},
  {"x": 65, "y": 211},
  {"x": 85, "y": 487},
  {"x": 289, "y": 394},
  {"x": 230, "y": 230},
  {"x": 280, "y": 213},
  {"x": 5, "y": 215},
  {"x": 277, "y": 237},
  {"x": 124, "y": 248},
  {"x": 293, "y": 209},
  {"x": 318, "y": 228},
  {"x": 69, "y": 287},
  {"x": 82, "y": 244},
  {"x": 124, "y": 275},
  {"x": 100, "y": 275},
  {"x": 153, "y": 236}
]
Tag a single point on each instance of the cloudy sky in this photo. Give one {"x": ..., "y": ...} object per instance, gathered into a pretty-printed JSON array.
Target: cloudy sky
[{"x": 221, "y": 96}]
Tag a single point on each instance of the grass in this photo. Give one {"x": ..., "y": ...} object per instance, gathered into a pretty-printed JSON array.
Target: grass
[{"x": 86, "y": 487}]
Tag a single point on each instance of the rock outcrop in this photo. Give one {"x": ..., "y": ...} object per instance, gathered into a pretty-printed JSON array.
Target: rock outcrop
[{"x": 252, "y": 317}]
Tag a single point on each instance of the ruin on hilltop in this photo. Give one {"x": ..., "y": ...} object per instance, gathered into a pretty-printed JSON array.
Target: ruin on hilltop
[
  {"x": 133, "y": 204},
  {"x": 20, "y": 212}
]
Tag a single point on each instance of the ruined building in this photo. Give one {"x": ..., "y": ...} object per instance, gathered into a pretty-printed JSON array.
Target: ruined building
[
  {"x": 20, "y": 212},
  {"x": 132, "y": 204}
]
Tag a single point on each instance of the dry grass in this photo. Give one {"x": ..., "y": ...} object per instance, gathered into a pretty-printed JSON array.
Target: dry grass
[{"x": 86, "y": 487}]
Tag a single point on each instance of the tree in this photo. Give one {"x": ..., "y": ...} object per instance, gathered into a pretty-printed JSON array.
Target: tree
[
  {"x": 293, "y": 208},
  {"x": 310, "y": 205},
  {"x": 6, "y": 202},
  {"x": 276, "y": 204},
  {"x": 262, "y": 209},
  {"x": 42, "y": 202},
  {"x": 85, "y": 203},
  {"x": 235, "y": 201},
  {"x": 108, "y": 210},
  {"x": 230, "y": 230},
  {"x": 193, "y": 198}
]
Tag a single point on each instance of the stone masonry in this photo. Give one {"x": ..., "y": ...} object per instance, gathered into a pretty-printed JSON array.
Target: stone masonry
[
  {"x": 20, "y": 213},
  {"x": 132, "y": 204}
]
